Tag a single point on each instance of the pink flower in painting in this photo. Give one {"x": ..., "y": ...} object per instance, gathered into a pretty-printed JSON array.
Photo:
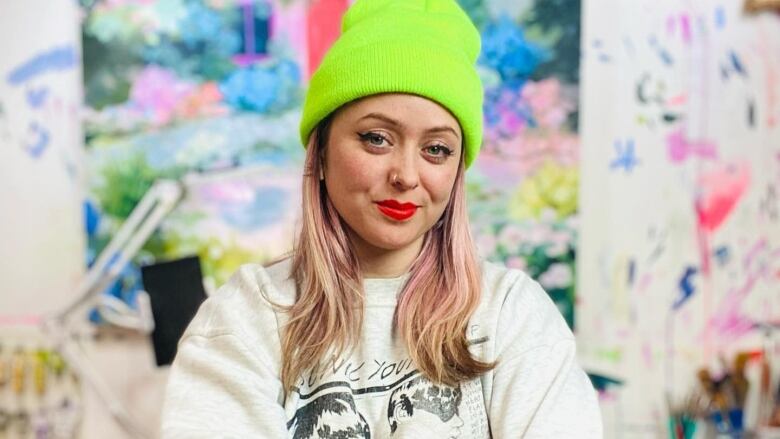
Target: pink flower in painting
[
  {"x": 157, "y": 92},
  {"x": 205, "y": 100},
  {"x": 486, "y": 243},
  {"x": 511, "y": 237},
  {"x": 558, "y": 275},
  {"x": 558, "y": 244},
  {"x": 509, "y": 161},
  {"x": 547, "y": 105},
  {"x": 516, "y": 262}
]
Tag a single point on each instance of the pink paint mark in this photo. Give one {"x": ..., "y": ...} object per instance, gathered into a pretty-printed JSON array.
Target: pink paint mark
[
  {"x": 607, "y": 396},
  {"x": 680, "y": 149},
  {"x": 729, "y": 320},
  {"x": 670, "y": 25},
  {"x": 720, "y": 191},
  {"x": 288, "y": 22},
  {"x": 680, "y": 99},
  {"x": 249, "y": 28},
  {"x": 753, "y": 252},
  {"x": 324, "y": 25},
  {"x": 23, "y": 320},
  {"x": 685, "y": 25},
  {"x": 647, "y": 354},
  {"x": 644, "y": 282},
  {"x": 703, "y": 236}
]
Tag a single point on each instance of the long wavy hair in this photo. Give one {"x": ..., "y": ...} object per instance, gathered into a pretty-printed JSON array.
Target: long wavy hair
[{"x": 433, "y": 309}]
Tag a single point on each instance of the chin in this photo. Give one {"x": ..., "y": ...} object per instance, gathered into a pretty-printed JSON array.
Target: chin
[{"x": 391, "y": 239}]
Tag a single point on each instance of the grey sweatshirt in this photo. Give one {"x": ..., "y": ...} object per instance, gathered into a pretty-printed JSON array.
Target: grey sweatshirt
[{"x": 225, "y": 381}]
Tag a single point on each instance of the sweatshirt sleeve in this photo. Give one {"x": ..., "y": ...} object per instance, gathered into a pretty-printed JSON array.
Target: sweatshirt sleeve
[
  {"x": 539, "y": 389},
  {"x": 218, "y": 386}
]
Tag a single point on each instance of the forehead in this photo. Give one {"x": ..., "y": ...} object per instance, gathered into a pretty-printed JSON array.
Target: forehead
[{"x": 411, "y": 111}]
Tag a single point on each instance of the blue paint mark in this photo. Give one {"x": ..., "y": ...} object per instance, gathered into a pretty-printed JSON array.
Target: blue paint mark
[
  {"x": 737, "y": 64},
  {"x": 37, "y": 147},
  {"x": 91, "y": 217},
  {"x": 686, "y": 287},
  {"x": 629, "y": 46},
  {"x": 626, "y": 156},
  {"x": 720, "y": 17},
  {"x": 724, "y": 73},
  {"x": 722, "y": 255},
  {"x": 60, "y": 58},
  {"x": 666, "y": 57},
  {"x": 37, "y": 97},
  {"x": 751, "y": 114},
  {"x": 631, "y": 272}
]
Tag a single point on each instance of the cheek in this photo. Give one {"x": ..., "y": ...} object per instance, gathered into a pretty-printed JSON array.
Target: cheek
[
  {"x": 351, "y": 172},
  {"x": 441, "y": 187}
]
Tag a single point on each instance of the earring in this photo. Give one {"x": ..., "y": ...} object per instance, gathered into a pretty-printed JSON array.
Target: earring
[{"x": 322, "y": 174}]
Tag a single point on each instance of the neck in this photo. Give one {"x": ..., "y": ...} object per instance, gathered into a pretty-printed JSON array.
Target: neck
[{"x": 382, "y": 263}]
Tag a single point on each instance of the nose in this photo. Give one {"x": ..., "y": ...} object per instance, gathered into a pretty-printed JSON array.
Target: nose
[{"x": 404, "y": 175}]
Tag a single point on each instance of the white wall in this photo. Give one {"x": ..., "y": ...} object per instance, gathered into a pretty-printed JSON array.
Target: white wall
[{"x": 708, "y": 64}]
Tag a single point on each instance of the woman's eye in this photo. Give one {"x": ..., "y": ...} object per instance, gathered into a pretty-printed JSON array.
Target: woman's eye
[
  {"x": 373, "y": 138},
  {"x": 439, "y": 150}
]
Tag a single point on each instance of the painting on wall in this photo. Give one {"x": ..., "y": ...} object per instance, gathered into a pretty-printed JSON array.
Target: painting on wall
[
  {"x": 523, "y": 186},
  {"x": 167, "y": 100}
]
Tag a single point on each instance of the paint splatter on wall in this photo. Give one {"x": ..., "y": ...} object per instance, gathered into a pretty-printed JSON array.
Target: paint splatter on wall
[{"x": 680, "y": 173}]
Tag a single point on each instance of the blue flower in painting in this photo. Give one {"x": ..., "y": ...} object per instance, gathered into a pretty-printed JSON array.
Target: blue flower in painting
[
  {"x": 505, "y": 49},
  {"x": 201, "y": 24},
  {"x": 250, "y": 89},
  {"x": 262, "y": 89}
]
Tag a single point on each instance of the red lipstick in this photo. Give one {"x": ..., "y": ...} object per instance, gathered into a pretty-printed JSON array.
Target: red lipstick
[{"x": 397, "y": 210}]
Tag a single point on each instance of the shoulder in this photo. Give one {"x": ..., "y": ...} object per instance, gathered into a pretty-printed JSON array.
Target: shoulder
[
  {"x": 523, "y": 315},
  {"x": 248, "y": 301}
]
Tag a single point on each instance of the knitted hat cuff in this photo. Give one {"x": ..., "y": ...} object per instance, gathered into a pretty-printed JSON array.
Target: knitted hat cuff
[{"x": 399, "y": 66}]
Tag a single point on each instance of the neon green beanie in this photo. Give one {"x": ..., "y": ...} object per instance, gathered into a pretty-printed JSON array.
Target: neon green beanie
[{"x": 423, "y": 47}]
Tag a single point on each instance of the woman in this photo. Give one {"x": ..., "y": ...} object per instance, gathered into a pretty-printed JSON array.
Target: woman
[{"x": 383, "y": 322}]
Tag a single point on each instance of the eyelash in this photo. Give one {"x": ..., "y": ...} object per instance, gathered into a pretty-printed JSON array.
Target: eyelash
[{"x": 368, "y": 136}]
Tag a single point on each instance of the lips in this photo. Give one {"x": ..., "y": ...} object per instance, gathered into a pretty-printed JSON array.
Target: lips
[{"x": 397, "y": 210}]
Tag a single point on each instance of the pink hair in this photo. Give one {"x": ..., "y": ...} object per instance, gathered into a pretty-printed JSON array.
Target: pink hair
[{"x": 434, "y": 306}]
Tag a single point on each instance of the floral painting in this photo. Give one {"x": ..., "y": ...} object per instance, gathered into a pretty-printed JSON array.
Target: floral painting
[{"x": 208, "y": 92}]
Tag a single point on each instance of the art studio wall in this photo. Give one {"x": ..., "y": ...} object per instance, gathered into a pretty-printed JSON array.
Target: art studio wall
[
  {"x": 679, "y": 255},
  {"x": 41, "y": 157}
]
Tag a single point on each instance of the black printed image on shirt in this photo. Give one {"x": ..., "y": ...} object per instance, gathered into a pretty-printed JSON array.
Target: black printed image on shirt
[
  {"x": 332, "y": 415},
  {"x": 382, "y": 398},
  {"x": 419, "y": 408}
]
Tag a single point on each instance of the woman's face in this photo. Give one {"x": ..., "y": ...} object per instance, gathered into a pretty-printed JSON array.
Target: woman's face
[{"x": 390, "y": 165}]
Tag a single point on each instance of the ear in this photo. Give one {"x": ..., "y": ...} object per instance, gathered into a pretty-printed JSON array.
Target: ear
[{"x": 400, "y": 413}]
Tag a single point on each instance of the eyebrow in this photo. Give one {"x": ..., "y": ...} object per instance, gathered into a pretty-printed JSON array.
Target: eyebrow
[{"x": 395, "y": 123}]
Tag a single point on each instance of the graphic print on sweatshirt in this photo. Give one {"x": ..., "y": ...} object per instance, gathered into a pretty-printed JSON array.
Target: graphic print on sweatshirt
[{"x": 384, "y": 400}]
